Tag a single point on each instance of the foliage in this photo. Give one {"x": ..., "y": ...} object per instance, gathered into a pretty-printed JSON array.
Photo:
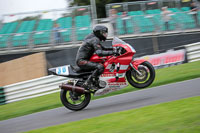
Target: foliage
[{"x": 29, "y": 18}]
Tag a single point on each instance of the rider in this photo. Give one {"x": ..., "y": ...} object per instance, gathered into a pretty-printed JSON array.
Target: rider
[{"x": 92, "y": 44}]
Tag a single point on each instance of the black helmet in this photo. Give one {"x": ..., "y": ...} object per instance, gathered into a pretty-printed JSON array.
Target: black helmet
[{"x": 101, "y": 32}]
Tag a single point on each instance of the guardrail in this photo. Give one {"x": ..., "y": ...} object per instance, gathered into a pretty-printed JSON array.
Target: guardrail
[
  {"x": 32, "y": 88},
  {"x": 193, "y": 51},
  {"x": 2, "y": 96},
  {"x": 49, "y": 84}
]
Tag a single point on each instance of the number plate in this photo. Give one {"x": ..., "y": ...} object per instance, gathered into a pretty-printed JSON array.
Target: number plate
[{"x": 64, "y": 70}]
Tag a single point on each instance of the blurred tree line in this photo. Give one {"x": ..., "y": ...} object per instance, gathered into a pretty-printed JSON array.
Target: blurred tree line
[
  {"x": 29, "y": 18},
  {"x": 100, "y": 5}
]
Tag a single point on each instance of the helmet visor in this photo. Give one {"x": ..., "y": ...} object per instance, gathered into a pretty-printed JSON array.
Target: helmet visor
[{"x": 105, "y": 34}]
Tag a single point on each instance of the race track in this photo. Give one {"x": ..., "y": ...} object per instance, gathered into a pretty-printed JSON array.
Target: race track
[{"x": 103, "y": 106}]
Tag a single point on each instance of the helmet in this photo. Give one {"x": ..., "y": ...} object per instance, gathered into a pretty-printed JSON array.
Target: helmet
[{"x": 101, "y": 32}]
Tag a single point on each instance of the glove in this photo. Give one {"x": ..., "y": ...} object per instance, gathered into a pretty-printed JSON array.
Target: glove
[{"x": 116, "y": 51}]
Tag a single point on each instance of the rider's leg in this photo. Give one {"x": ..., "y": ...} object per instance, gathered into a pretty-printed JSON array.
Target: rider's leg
[
  {"x": 94, "y": 77},
  {"x": 97, "y": 69}
]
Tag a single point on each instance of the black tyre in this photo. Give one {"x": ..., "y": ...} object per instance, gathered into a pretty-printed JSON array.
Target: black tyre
[
  {"x": 145, "y": 79},
  {"x": 74, "y": 101}
]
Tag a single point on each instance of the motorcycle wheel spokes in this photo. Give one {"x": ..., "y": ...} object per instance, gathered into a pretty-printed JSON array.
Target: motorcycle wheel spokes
[
  {"x": 74, "y": 101},
  {"x": 74, "y": 98},
  {"x": 144, "y": 78}
]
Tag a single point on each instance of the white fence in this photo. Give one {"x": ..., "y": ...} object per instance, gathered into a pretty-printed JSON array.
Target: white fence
[
  {"x": 50, "y": 84},
  {"x": 33, "y": 88},
  {"x": 193, "y": 52}
]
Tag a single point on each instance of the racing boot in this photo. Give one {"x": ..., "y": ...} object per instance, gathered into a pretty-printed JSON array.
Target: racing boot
[{"x": 90, "y": 83}]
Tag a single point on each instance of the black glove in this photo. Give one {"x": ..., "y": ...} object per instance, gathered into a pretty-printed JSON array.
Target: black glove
[{"x": 116, "y": 51}]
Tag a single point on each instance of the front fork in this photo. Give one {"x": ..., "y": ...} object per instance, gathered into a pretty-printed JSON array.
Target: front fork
[
  {"x": 135, "y": 63},
  {"x": 135, "y": 69}
]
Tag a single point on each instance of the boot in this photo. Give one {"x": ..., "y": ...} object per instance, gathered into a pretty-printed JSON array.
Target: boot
[
  {"x": 87, "y": 84},
  {"x": 91, "y": 83}
]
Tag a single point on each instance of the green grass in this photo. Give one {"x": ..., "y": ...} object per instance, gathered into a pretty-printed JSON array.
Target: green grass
[
  {"x": 163, "y": 76},
  {"x": 181, "y": 116}
]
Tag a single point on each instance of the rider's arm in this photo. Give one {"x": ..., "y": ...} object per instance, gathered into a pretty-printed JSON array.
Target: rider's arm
[
  {"x": 99, "y": 50},
  {"x": 107, "y": 47}
]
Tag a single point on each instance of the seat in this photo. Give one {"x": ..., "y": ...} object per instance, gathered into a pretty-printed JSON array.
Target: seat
[
  {"x": 66, "y": 25},
  {"x": 75, "y": 72},
  {"x": 83, "y": 26},
  {"x": 22, "y": 36},
  {"x": 5, "y": 33},
  {"x": 42, "y": 34},
  {"x": 78, "y": 70}
]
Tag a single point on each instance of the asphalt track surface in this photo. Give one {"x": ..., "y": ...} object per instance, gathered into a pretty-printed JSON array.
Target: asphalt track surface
[{"x": 103, "y": 106}]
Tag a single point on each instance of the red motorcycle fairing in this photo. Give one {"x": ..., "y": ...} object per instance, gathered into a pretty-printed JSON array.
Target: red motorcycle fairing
[
  {"x": 123, "y": 60},
  {"x": 115, "y": 65},
  {"x": 137, "y": 62},
  {"x": 117, "y": 80},
  {"x": 96, "y": 58}
]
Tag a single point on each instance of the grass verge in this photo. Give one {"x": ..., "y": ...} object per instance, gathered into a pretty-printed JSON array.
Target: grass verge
[
  {"x": 181, "y": 116},
  {"x": 163, "y": 76}
]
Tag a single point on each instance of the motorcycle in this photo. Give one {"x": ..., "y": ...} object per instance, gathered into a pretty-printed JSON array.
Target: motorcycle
[{"x": 119, "y": 72}]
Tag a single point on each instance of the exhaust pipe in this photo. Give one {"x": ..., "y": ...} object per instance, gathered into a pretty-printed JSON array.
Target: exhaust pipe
[{"x": 77, "y": 89}]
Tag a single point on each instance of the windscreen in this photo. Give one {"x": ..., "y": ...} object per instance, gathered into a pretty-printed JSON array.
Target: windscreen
[{"x": 116, "y": 40}]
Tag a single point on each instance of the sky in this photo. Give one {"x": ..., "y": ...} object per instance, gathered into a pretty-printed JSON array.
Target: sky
[{"x": 17, "y": 6}]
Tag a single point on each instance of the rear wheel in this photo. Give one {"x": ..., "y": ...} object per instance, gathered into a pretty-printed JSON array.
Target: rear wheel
[
  {"x": 74, "y": 101},
  {"x": 144, "y": 79}
]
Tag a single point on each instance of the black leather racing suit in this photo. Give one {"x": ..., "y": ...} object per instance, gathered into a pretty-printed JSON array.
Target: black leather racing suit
[{"x": 91, "y": 45}]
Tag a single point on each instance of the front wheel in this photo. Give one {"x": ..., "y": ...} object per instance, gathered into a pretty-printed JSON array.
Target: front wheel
[
  {"x": 144, "y": 79},
  {"x": 74, "y": 101}
]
